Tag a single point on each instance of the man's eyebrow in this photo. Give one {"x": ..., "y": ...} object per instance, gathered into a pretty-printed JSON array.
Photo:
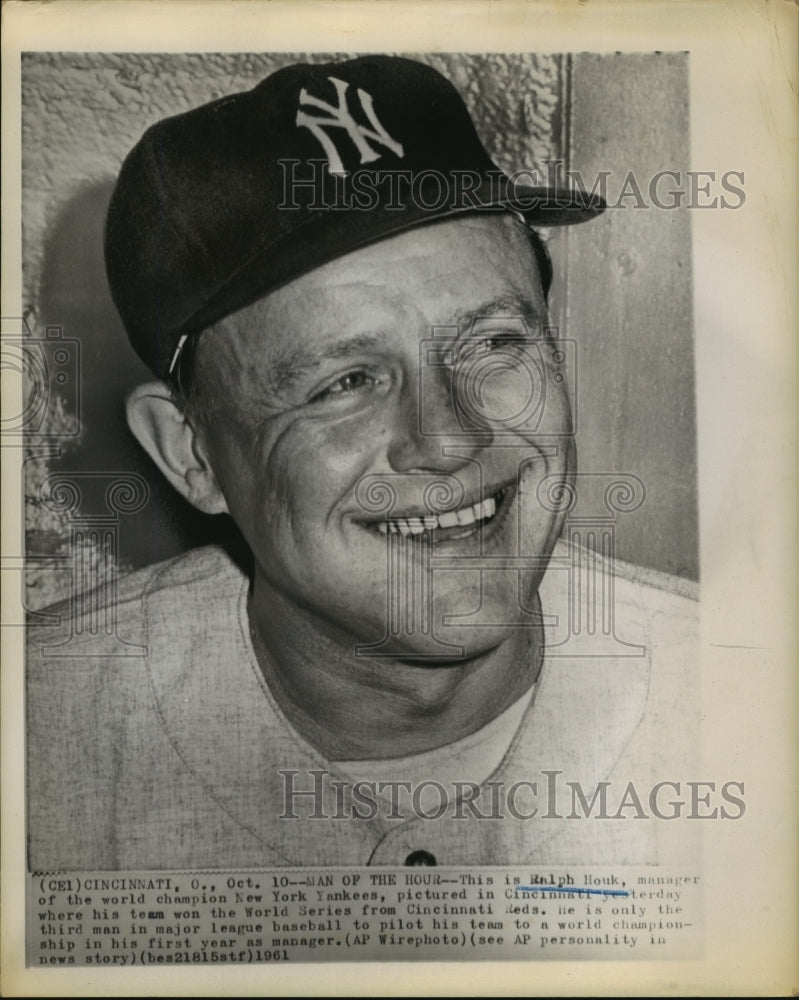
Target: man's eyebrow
[
  {"x": 503, "y": 307},
  {"x": 290, "y": 369},
  {"x": 286, "y": 371}
]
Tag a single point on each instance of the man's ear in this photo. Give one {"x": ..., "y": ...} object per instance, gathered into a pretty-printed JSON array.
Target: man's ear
[{"x": 167, "y": 436}]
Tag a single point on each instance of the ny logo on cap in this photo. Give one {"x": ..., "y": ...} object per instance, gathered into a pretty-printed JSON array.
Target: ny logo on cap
[{"x": 341, "y": 118}]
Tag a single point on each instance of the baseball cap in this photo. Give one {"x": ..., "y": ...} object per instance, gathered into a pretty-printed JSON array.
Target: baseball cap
[{"x": 218, "y": 206}]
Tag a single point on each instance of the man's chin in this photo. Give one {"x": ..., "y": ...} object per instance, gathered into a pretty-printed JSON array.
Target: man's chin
[{"x": 443, "y": 646}]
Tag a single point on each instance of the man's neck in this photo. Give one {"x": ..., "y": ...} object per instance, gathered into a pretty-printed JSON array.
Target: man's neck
[{"x": 357, "y": 708}]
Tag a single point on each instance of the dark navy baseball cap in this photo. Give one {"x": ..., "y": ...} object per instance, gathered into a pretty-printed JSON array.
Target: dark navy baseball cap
[{"x": 217, "y": 207}]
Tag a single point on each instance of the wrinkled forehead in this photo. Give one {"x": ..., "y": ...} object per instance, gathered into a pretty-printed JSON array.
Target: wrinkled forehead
[{"x": 442, "y": 274}]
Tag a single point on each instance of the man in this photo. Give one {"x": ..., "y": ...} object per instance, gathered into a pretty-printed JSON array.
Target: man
[{"x": 345, "y": 307}]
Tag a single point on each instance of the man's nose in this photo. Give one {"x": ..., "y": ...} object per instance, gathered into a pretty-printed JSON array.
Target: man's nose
[{"x": 430, "y": 433}]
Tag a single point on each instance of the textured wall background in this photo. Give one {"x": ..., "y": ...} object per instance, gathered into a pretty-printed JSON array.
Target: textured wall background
[{"x": 81, "y": 115}]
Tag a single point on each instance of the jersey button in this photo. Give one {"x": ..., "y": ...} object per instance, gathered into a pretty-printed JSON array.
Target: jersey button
[{"x": 421, "y": 858}]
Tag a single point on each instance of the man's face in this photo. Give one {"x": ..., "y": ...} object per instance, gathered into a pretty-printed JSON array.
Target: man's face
[{"x": 335, "y": 384}]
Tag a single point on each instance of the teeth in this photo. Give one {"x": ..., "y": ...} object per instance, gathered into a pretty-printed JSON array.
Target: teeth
[{"x": 450, "y": 519}]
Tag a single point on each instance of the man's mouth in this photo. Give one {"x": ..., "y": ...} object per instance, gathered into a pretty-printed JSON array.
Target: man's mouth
[{"x": 451, "y": 524}]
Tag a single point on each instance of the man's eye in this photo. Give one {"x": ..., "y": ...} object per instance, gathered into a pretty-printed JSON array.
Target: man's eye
[{"x": 349, "y": 383}]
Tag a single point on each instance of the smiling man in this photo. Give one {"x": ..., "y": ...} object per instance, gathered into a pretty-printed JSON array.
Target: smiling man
[
  {"x": 318, "y": 392},
  {"x": 344, "y": 304}
]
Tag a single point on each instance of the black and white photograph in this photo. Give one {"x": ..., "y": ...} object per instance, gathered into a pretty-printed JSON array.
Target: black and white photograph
[{"x": 386, "y": 448}]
